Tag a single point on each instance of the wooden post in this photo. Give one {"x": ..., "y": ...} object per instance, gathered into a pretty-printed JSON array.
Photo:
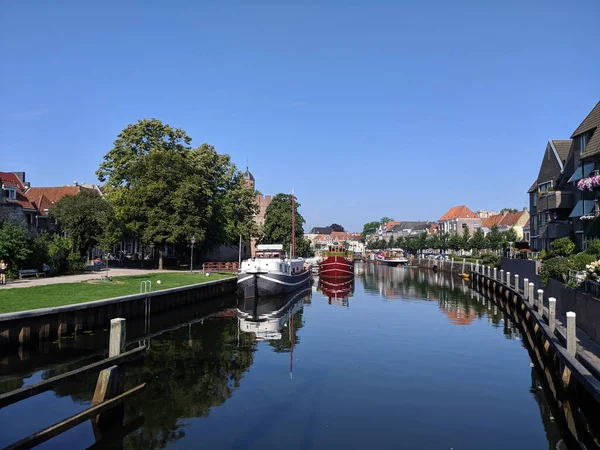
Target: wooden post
[
  {"x": 571, "y": 334},
  {"x": 495, "y": 274},
  {"x": 508, "y": 279},
  {"x": 110, "y": 382},
  {"x": 526, "y": 289},
  {"x": 540, "y": 301},
  {"x": 516, "y": 283},
  {"x": 501, "y": 276},
  {"x": 530, "y": 293},
  {"x": 552, "y": 314}
]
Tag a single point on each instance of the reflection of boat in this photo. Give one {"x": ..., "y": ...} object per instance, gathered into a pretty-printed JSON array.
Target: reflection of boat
[
  {"x": 337, "y": 290},
  {"x": 464, "y": 276},
  {"x": 393, "y": 259},
  {"x": 271, "y": 272},
  {"x": 337, "y": 263},
  {"x": 265, "y": 317}
]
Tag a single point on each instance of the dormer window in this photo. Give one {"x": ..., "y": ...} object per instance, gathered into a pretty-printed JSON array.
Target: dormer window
[
  {"x": 583, "y": 142},
  {"x": 9, "y": 192}
]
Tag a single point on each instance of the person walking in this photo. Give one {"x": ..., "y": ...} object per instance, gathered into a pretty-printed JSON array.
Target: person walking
[{"x": 3, "y": 269}]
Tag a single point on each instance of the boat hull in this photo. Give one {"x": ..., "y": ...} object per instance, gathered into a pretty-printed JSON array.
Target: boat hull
[
  {"x": 271, "y": 284},
  {"x": 391, "y": 262},
  {"x": 336, "y": 267}
]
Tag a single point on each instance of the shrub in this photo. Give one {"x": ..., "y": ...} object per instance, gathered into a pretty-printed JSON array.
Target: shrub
[
  {"x": 75, "y": 263},
  {"x": 59, "y": 249},
  {"x": 580, "y": 261},
  {"x": 572, "y": 284},
  {"x": 593, "y": 248},
  {"x": 546, "y": 254},
  {"x": 563, "y": 246},
  {"x": 556, "y": 268},
  {"x": 490, "y": 260}
]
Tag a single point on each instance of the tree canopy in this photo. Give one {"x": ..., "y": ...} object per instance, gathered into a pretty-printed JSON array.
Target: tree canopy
[
  {"x": 337, "y": 227},
  {"x": 385, "y": 219},
  {"x": 84, "y": 218},
  {"x": 369, "y": 228},
  {"x": 277, "y": 228},
  {"x": 166, "y": 192}
]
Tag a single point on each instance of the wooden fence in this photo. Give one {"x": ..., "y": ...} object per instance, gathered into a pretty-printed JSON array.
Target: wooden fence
[{"x": 221, "y": 267}]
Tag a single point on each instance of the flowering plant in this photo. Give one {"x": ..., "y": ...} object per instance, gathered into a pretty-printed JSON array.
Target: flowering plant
[
  {"x": 589, "y": 183},
  {"x": 593, "y": 270}
]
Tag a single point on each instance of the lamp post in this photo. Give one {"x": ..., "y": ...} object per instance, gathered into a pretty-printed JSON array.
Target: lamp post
[{"x": 193, "y": 240}]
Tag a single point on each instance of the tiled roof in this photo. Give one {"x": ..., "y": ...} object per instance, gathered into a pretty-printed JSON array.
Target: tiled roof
[
  {"x": 491, "y": 221},
  {"x": 590, "y": 123},
  {"x": 563, "y": 147},
  {"x": 458, "y": 212},
  {"x": 44, "y": 198},
  {"x": 511, "y": 219},
  {"x": 391, "y": 224},
  {"x": 527, "y": 223},
  {"x": 320, "y": 230},
  {"x": 23, "y": 201},
  {"x": 341, "y": 236},
  {"x": 10, "y": 179}
]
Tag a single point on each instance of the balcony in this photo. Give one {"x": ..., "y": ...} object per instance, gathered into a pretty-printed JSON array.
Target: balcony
[
  {"x": 555, "y": 200},
  {"x": 555, "y": 230}
]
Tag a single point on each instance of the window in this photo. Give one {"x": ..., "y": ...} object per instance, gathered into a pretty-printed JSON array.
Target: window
[
  {"x": 583, "y": 141},
  {"x": 534, "y": 196},
  {"x": 544, "y": 188},
  {"x": 10, "y": 194}
]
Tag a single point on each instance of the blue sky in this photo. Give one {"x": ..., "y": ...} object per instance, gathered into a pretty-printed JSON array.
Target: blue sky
[{"x": 367, "y": 109}]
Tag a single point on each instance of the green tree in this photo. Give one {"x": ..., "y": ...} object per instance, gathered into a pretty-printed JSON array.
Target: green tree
[
  {"x": 433, "y": 241},
  {"x": 385, "y": 219},
  {"x": 511, "y": 236},
  {"x": 368, "y": 229},
  {"x": 455, "y": 242},
  {"x": 337, "y": 227},
  {"x": 563, "y": 246},
  {"x": 465, "y": 239},
  {"x": 478, "y": 241},
  {"x": 277, "y": 228},
  {"x": 400, "y": 242},
  {"x": 444, "y": 242},
  {"x": 495, "y": 238},
  {"x": 83, "y": 217},
  {"x": 422, "y": 241},
  {"x": 14, "y": 246}
]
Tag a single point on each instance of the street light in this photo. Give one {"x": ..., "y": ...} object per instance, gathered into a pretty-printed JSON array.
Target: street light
[{"x": 192, "y": 256}]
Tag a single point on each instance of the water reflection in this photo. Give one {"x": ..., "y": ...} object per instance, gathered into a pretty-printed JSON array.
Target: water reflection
[
  {"x": 337, "y": 291},
  {"x": 388, "y": 370}
]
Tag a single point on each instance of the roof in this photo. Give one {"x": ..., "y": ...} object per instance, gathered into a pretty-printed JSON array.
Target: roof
[
  {"x": 458, "y": 212},
  {"x": 391, "y": 224},
  {"x": 44, "y": 198},
  {"x": 563, "y": 147},
  {"x": 10, "y": 179},
  {"x": 590, "y": 123},
  {"x": 511, "y": 219},
  {"x": 247, "y": 175},
  {"x": 532, "y": 188},
  {"x": 341, "y": 236},
  {"x": 320, "y": 230},
  {"x": 489, "y": 222},
  {"x": 527, "y": 223}
]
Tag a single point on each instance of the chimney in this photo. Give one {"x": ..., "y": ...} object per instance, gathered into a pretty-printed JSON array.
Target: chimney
[
  {"x": 20, "y": 176},
  {"x": 75, "y": 183},
  {"x": 525, "y": 209}
]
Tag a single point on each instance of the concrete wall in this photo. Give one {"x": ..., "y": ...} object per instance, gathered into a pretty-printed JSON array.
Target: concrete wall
[
  {"x": 584, "y": 305},
  {"x": 28, "y": 327}
]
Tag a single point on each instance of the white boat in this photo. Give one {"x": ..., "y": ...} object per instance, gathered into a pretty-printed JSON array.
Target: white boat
[{"x": 272, "y": 272}]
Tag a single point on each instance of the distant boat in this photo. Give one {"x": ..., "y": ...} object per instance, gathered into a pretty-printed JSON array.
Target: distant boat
[
  {"x": 390, "y": 259},
  {"x": 337, "y": 263},
  {"x": 270, "y": 272}
]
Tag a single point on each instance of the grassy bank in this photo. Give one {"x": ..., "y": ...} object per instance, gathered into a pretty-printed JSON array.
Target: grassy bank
[{"x": 22, "y": 299}]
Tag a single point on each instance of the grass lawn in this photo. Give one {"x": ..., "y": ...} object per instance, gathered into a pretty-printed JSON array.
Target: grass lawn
[{"x": 22, "y": 299}]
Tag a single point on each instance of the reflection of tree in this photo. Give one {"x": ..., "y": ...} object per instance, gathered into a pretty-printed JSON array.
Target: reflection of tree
[
  {"x": 284, "y": 344},
  {"x": 187, "y": 371}
]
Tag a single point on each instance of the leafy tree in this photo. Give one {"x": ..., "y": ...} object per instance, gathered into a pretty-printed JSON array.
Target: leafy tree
[
  {"x": 511, "y": 235},
  {"x": 580, "y": 261},
  {"x": 466, "y": 239},
  {"x": 478, "y": 240},
  {"x": 412, "y": 244},
  {"x": 494, "y": 238},
  {"x": 368, "y": 229},
  {"x": 433, "y": 241},
  {"x": 385, "y": 219},
  {"x": 422, "y": 241},
  {"x": 508, "y": 210},
  {"x": 59, "y": 249},
  {"x": 455, "y": 242},
  {"x": 14, "y": 246},
  {"x": 337, "y": 227},
  {"x": 557, "y": 268},
  {"x": 444, "y": 242},
  {"x": 83, "y": 217},
  {"x": 563, "y": 246},
  {"x": 400, "y": 242},
  {"x": 277, "y": 228},
  {"x": 593, "y": 248}
]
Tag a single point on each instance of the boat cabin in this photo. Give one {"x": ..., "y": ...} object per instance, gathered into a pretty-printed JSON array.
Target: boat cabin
[
  {"x": 272, "y": 251},
  {"x": 337, "y": 249}
]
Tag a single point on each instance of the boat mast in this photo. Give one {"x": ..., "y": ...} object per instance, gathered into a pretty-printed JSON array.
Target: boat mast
[{"x": 293, "y": 231}]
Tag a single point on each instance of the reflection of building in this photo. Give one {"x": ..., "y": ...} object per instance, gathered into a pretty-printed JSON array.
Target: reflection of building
[{"x": 458, "y": 315}]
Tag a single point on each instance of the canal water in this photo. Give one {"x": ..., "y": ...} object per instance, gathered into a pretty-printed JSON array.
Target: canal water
[{"x": 401, "y": 358}]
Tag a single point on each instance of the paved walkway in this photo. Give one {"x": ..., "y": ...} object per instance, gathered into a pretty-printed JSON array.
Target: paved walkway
[{"x": 29, "y": 282}]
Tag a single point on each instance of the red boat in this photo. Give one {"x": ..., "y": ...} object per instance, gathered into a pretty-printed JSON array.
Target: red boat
[{"x": 337, "y": 263}]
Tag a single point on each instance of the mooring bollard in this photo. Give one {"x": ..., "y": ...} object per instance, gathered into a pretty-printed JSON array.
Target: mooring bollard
[
  {"x": 571, "y": 334},
  {"x": 117, "y": 337},
  {"x": 508, "y": 279},
  {"x": 501, "y": 276},
  {"x": 517, "y": 283},
  {"x": 495, "y": 274},
  {"x": 540, "y": 301},
  {"x": 531, "y": 287},
  {"x": 526, "y": 289},
  {"x": 552, "y": 314}
]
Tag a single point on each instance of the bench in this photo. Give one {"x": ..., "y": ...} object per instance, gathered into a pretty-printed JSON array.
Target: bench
[{"x": 30, "y": 273}]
